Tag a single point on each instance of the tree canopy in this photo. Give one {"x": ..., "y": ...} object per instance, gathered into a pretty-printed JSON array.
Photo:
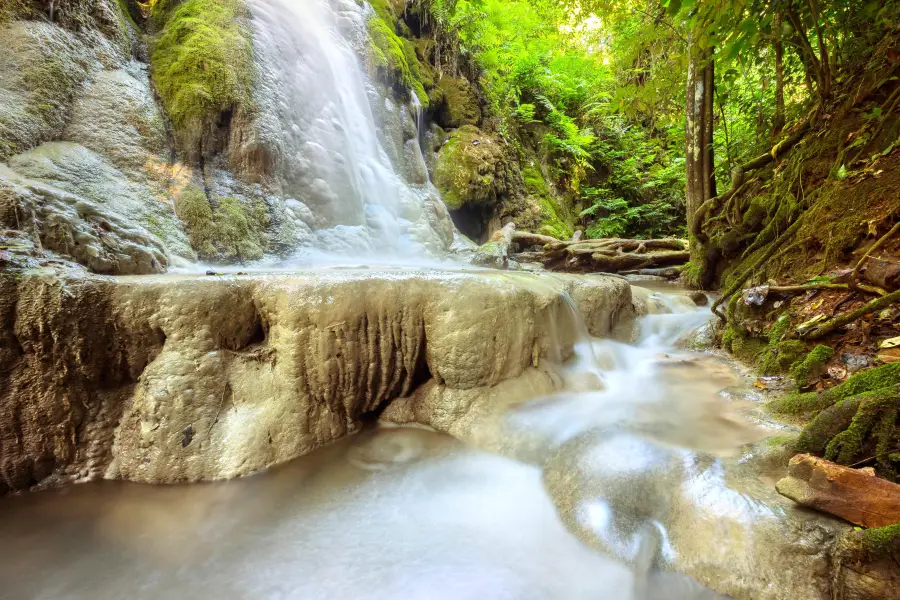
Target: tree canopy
[{"x": 601, "y": 85}]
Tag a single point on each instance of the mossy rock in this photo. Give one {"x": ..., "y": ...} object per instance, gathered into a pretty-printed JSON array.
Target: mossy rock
[
  {"x": 812, "y": 402},
  {"x": 40, "y": 74},
  {"x": 804, "y": 371},
  {"x": 394, "y": 56},
  {"x": 745, "y": 348},
  {"x": 778, "y": 359},
  {"x": 470, "y": 169},
  {"x": 202, "y": 65},
  {"x": 456, "y": 103},
  {"x": 233, "y": 230},
  {"x": 852, "y": 421}
]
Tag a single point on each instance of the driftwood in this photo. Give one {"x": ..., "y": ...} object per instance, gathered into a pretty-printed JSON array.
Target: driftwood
[
  {"x": 854, "y": 495},
  {"x": 667, "y": 272},
  {"x": 526, "y": 239},
  {"x": 609, "y": 255}
]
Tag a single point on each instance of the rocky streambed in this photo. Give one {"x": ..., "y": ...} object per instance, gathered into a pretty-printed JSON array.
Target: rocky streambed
[{"x": 583, "y": 441}]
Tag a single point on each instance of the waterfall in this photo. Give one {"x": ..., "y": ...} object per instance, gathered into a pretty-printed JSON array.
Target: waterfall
[{"x": 315, "y": 112}]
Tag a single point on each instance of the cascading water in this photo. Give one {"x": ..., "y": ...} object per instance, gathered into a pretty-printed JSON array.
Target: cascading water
[
  {"x": 407, "y": 513},
  {"x": 315, "y": 112}
]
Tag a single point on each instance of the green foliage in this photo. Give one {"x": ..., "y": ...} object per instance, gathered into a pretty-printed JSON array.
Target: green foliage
[
  {"x": 613, "y": 145},
  {"x": 231, "y": 231},
  {"x": 202, "y": 62}
]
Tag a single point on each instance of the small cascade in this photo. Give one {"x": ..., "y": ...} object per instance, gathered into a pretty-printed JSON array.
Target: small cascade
[
  {"x": 420, "y": 120},
  {"x": 315, "y": 111}
]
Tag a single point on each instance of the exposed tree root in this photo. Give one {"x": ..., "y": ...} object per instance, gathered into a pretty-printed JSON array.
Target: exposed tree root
[
  {"x": 738, "y": 175},
  {"x": 748, "y": 272}
]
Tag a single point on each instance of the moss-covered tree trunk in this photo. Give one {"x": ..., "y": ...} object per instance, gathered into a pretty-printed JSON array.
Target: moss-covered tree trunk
[{"x": 701, "y": 180}]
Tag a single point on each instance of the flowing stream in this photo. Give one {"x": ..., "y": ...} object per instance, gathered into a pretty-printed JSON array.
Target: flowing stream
[{"x": 538, "y": 503}]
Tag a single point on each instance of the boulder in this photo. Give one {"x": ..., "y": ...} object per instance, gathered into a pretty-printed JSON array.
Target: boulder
[
  {"x": 472, "y": 169},
  {"x": 855, "y": 495}
]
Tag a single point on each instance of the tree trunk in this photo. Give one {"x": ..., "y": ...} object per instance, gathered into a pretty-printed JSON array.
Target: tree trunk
[
  {"x": 779, "y": 120},
  {"x": 813, "y": 65},
  {"x": 824, "y": 60},
  {"x": 700, "y": 163}
]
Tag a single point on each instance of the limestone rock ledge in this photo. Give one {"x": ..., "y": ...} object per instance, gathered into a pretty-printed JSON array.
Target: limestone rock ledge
[{"x": 184, "y": 378}]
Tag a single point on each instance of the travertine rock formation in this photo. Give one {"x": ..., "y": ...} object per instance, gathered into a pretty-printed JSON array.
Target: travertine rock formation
[{"x": 165, "y": 379}]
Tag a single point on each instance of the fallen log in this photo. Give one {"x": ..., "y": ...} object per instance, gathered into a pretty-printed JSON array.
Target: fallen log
[
  {"x": 622, "y": 262},
  {"x": 883, "y": 273},
  {"x": 667, "y": 272},
  {"x": 526, "y": 239},
  {"x": 608, "y": 255},
  {"x": 855, "y": 495},
  {"x": 625, "y": 245}
]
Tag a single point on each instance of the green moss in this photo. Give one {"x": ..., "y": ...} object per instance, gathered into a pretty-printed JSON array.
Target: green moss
[
  {"x": 233, "y": 230},
  {"x": 14, "y": 9},
  {"x": 467, "y": 166},
  {"x": 846, "y": 445},
  {"x": 854, "y": 420},
  {"x": 866, "y": 381},
  {"x": 745, "y": 348},
  {"x": 779, "y": 329},
  {"x": 778, "y": 359},
  {"x": 883, "y": 539},
  {"x": 49, "y": 81},
  {"x": 554, "y": 218},
  {"x": 728, "y": 335},
  {"x": 805, "y": 370},
  {"x": 692, "y": 274},
  {"x": 395, "y": 56},
  {"x": 202, "y": 63},
  {"x": 458, "y": 102}
]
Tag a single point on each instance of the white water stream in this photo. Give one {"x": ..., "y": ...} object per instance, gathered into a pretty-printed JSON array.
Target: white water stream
[{"x": 575, "y": 504}]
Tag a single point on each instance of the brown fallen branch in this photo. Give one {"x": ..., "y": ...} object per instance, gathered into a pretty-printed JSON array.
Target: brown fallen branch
[
  {"x": 791, "y": 289},
  {"x": 622, "y": 262},
  {"x": 667, "y": 272},
  {"x": 851, "y": 494},
  {"x": 874, "y": 248},
  {"x": 528, "y": 257},
  {"x": 838, "y": 322},
  {"x": 623, "y": 245},
  {"x": 884, "y": 274},
  {"x": 496, "y": 252},
  {"x": 527, "y": 239}
]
